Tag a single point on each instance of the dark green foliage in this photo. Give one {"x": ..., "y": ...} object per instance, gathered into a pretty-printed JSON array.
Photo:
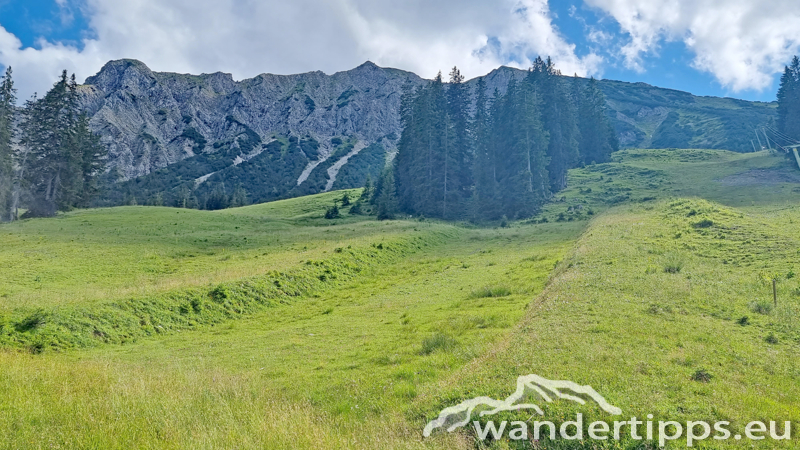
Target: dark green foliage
[
  {"x": 192, "y": 133},
  {"x": 789, "y": 101},
  {"x": 386, "y": 198},
  {"x": 239, "y": 197},
  {"x": 317, "y": 181},
  {"x": 434, "y": 160},
  {"x": 672, "y": 135},
  {"x": 598, "y": 138},
  {"x": 310, "y": 105},
  {"x": 508, "y": 158},
  {"x": 62, "y": 157},
  {"x": 346, "y": 199},
  {"x": 344, "y": 98},
  {"x": 7, "y": 101},
  {"x": 368, "y": 163},
  {"x": 310, "y": 147},
  {"x": 271, "y": 175},
  {"x": 366, "y": 194},
  {"x": 333, "y": 212},
  {"x": 559, "y": 119},
  {"x": 356, "y": 209},
  {"x": 218, "y": 198}
]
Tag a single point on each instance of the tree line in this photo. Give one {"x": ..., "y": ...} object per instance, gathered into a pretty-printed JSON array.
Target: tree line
[
  {"x": 501, "y": 155},
  {"x": 49, "y": 157}
]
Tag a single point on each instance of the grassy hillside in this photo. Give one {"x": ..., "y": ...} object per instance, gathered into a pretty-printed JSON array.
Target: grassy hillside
[
  {"x": 650, "y": 117},
  {"x": 271, "y": 327}
]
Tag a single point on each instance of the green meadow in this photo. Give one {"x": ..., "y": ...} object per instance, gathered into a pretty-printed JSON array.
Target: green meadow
[{"x": 268, "y": 326}]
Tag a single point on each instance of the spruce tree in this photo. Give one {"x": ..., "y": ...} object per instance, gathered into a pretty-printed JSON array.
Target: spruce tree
[
  {"x": 92, "y": 154},
  {"x": 485, "y": 201},
  {"x": 7, "y": 105},
  {"x": 597, "y": 137},
  {"x": 53, "y": 175},
  {"x": 61, "y": 158},
  {"x": 462, "y": 156},
  {"x": 386, "y": 203},
  {"x": 789, "y": 100},
  {"x": 560, "y": 121}
]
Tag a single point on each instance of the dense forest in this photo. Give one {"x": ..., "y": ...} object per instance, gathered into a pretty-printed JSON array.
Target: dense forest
[
  {"x": 506, "y": 154},
  {"x": 50, "y": 160},
  {"x": 789, "y": 103}
]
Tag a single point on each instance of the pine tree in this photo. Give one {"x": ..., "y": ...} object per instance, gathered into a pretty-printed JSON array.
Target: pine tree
[
  {"x": 522, "y": 171},
  {"x": 597, "y": 137},
  {"x": 386, "y": 203},
  {"x": 461, "y": 154},
  {"x": 61, "y": 158},
  {"x": 485, "y": 201},
  {"x": 239, "y": 197},
  {"x": 7, "y": 105},
  {"x": 53, "y": 175},
  {"x": 789, "y": 100},
  {"x": 560, "y": 121},
  {"x": 366, "y": 194},
  {"x": 92, "y": 155}
]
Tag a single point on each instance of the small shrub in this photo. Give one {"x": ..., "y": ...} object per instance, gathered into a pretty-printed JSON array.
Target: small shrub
[
  {"x": 346, "y": 199},
  {"x": 744, "y": 321},
  {"x": 761, "y": 307},
  {"x": 438, "y": 341},
  {"x": 219, "y": 294},
  {"x": 327, "y": 311},
  {"x": 702, "y": 376},
  {"x": 504, "y": 222},
  {"x": 705, "y": 223},
  {"x": 771, "y": 339},
  {"x": 356, "y": 210},
  {"x": 332, "y": 213}
]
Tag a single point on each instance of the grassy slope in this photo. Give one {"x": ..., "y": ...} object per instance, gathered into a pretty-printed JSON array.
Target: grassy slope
[{"x": 363, "y": 363}]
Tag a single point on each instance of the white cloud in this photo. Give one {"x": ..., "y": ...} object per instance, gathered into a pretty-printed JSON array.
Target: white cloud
[
  {"x": 248, "y": 37},
  {"x": 742, "y": 43}
]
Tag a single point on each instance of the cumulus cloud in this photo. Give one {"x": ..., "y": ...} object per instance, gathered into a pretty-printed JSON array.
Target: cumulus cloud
[
  {"x": 742, "y": 43},
  {"x": 248, "y": 37}
]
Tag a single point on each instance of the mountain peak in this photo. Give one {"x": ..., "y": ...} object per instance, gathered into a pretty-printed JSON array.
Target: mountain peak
[{"x": 113, "y": 71}]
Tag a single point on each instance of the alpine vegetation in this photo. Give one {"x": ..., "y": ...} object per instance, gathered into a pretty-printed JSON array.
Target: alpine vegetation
[
  {"x": 49, "y": 162},
  {"x": 503, "y": 156}
]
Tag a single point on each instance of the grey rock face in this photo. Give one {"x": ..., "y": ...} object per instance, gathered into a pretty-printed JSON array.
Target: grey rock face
[{"x": 148, "y": 120}]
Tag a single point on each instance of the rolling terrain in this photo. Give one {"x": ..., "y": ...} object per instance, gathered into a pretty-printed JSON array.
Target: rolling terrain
[{"x": 269, "y": 326}]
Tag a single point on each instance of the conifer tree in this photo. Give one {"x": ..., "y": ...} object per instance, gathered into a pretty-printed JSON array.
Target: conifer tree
[
  {"x": 7, "y": 105},
  {"x": 462, "y": 154},
  {"x": 61, "y": 156},
  {"x": 597, "y": 137},
  {"x": 485, "y": 201},
  {"x": 789, "y": 100},
  {"x": 386, "y": 202},
  {"x": 560, "y": 121}
]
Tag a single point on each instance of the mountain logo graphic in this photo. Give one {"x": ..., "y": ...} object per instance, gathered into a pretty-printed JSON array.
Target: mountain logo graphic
[{"x": 457, "y": 416}]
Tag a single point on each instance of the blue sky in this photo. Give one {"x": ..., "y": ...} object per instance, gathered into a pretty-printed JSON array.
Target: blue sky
[{"x": 629, "y": 40}]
